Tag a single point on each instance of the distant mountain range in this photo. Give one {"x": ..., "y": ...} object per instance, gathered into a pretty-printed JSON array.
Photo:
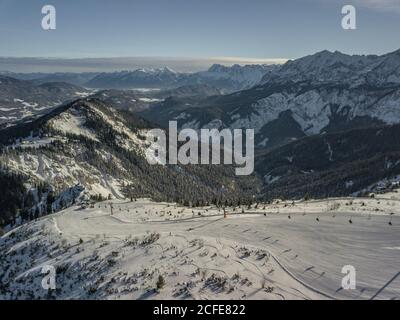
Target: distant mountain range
[
  {"x": 325, "y": 92},
  {"x": 325, "y": 125},
  {"x": 224, "y": 78},
  {"x": 78, "y": 79},
  {"x": 221, "y": 77},
  {"x": 331, "y": 67},
  {"x": 21, "y": 100},
  {"x": 25, "y": 96}
]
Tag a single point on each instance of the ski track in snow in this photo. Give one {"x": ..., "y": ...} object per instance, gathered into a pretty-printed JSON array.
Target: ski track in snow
[{"x": 299, "y": 257}]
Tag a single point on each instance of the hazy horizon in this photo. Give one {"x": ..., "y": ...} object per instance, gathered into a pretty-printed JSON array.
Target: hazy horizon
[
  {"x": 110, "y": 64},
  {"x": 187, "y": 35},
  {"x": 115, "y": 64}
]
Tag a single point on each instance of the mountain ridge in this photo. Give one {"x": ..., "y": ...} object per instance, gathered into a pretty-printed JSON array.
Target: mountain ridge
[
  {"x": 231, "y": 78},
  {"x": 319, "y": 94},
  {"x": 23, "y": 99},
  {"x": 90, "y": 144}
]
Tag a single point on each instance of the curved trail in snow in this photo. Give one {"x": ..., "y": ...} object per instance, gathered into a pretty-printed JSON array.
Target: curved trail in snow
[
  {"x": 239, "y": 260},
  {"x": 337, "y": 241}
]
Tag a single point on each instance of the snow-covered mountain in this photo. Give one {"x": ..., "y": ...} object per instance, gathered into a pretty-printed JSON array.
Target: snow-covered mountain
[
  {"x": 76, "y": 78},
  {"x": 236, "y": 77},
  {"x": 140, "y": 78},
  {"x": 327, "y": 93},
  {"x": 140, "y": 100},
  {"x": 21, "y": 99},
  {"x": 328, "y": 67},
  {"x": 231, "y": 78},
  {"x": 324, "y": 92},
  {"x": 90, "y": 144}
]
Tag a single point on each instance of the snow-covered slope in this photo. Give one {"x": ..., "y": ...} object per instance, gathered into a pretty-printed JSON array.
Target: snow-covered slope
[
  {"x": 284, "y": 250},
  {"x": 67, "y": 168},
  {"x": 20, "y": 99},
  {"x": 91, "y": 144}
]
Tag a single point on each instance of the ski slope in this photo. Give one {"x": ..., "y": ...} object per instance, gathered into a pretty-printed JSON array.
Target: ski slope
[{"x": 284, "y": 250}]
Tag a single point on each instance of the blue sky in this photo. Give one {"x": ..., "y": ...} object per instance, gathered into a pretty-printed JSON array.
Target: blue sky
[{"x": 201, "y": 29}]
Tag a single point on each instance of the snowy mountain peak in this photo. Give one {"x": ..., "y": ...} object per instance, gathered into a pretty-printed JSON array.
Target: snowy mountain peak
[
  {"x": 168, "y": 70},
  {"x": 162, "y": 70},
  {"x": 217, "y": 68},
  {"x": 337, "y": 67},
  {"x": 245, "y": 76}
]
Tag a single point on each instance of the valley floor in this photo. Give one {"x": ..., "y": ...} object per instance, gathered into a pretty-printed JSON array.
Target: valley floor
[{"x": 286, "y": 250}]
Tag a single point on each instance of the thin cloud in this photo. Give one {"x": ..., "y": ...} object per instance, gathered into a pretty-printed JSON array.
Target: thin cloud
[
  {"x": 386, "y": 5},
  {"x": 182, "y": 64},
  {"x": 377, "y": 5},
  {"x": 241, "y": 60},
  {"x": 380, "y": 5}
]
